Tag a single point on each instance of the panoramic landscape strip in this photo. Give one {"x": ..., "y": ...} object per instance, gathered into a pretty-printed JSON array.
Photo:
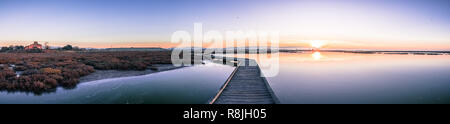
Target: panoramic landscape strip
[{"x": 225, "y": 60}]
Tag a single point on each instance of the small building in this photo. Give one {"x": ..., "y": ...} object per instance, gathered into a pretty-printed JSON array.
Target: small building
[{"x": 35, "y": 45}]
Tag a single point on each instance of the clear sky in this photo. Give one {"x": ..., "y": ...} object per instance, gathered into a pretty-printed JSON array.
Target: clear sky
[{"x": 349, "y": 24}]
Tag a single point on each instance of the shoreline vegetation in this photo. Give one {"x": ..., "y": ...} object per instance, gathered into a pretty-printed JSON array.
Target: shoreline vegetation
[{"x": 43, "y": 72}]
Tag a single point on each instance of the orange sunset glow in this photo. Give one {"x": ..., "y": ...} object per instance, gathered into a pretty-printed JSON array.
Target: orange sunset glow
[{"x": 302, "y": 24}]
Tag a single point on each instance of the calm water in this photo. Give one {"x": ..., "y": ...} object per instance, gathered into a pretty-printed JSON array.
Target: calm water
[
  {"x": 195, "y": 85},
  {"x": 362, "y": 78}
]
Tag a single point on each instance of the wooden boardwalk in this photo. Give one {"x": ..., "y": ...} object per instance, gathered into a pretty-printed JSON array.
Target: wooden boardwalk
[{"x": 245, "y": 86}]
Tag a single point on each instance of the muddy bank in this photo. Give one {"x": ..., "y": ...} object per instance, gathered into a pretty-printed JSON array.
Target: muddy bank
[{"x": 105, "y": 74}]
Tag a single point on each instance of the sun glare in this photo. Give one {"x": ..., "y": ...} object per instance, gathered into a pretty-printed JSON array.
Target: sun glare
[
  {"x": 316, "y": 56},
  {"x": 317, "y": 44}
]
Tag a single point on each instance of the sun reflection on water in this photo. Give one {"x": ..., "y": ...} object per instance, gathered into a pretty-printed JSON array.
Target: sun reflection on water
[{"x": 316, "y": 56}]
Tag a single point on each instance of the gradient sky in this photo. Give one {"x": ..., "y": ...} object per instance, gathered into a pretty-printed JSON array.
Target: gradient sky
[{"x": 348, "y": 24}]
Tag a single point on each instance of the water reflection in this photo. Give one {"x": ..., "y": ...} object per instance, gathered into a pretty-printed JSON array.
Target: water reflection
[
  {"x": 316, "y": 55},
  {"x": 361, "y": 78},
  {"x": 189, "y": 85}
]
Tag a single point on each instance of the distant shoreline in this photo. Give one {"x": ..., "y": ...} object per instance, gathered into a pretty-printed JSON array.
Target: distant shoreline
[{"x": 374, "y": 52}]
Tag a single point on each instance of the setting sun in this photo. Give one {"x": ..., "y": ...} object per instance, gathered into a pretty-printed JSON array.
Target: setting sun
[{"x": 317, "y": 44}]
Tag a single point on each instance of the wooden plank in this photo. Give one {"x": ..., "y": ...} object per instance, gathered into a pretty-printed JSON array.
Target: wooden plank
[{"x": 245, "y": 86}]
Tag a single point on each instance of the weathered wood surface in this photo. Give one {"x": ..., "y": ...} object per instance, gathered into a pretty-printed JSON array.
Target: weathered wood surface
[{"x": 246, "y": 86}]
